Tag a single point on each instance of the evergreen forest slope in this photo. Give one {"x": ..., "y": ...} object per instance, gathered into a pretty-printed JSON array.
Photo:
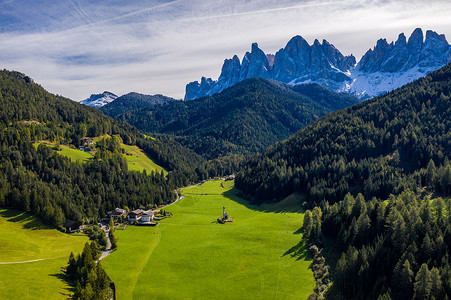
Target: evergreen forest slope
[
  {"x": 384, "y": 145},
  {"x": 243, "y": 119},
  {"x": 133, "y": 101},
  {"x": 54, "y": 187}
]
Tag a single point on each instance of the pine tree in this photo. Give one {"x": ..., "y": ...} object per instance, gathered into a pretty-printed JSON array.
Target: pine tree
[
  {"x": 308, "y": 224},
  {"x": 436, "y": 284},
  {"x": 423, "y": 283},
  {"x": 405, "y": 286}
]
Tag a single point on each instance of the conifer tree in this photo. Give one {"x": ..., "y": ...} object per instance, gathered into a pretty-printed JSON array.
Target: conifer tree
[{"x": 423, "y": 283}]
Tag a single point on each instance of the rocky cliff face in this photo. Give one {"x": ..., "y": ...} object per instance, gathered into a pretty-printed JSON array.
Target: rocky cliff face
[
  {"x": 381, "y": 69},
  {"x": 389, "y": 66}
]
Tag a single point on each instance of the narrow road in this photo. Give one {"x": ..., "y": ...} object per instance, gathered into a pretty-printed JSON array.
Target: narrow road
[
  {"x": 108, "y": 246},
  {"x": 180, "y": 196}
]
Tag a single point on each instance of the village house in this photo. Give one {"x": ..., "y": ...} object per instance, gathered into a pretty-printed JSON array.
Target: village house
[
  {"x": 147, "y": 216},
  {"x": 86, "y": 149},
  {"x": 115, "y": 214},
  {"x": 88, "y": 141},
  {"x": 135, "y": 215},
  {"x": 71, "y": 226}
]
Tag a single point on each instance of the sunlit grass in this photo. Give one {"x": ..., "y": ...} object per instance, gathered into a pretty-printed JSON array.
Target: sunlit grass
[{"x": 261, "y": 255}]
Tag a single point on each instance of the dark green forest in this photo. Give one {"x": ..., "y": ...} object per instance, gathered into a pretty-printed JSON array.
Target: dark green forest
[
  {"x": 55, "y": 188},
  {"x": 379, "y": 147},
  {"x": 130, "y": 102},
  {"x": 394, "y": 249},
  {"x": 243, "y": 119}
]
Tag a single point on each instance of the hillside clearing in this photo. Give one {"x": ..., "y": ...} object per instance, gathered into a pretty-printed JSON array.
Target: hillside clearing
[{"x": 136, "y": 159}]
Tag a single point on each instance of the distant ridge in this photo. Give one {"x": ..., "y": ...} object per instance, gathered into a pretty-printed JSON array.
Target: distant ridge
[
  {"x": 385, "y": 67},
  {"x": 243, "y": 119},
  {"x": 133, "y": 101}
]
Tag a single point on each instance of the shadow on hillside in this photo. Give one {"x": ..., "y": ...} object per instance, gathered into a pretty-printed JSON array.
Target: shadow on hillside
[
  {"x": 292, "y": 203},
  {"x": 299, "y": 231},
  {"x": 299, "y": 251},
  {"x": 68, "y": 290},
  {"x": 28, "y": 221}
]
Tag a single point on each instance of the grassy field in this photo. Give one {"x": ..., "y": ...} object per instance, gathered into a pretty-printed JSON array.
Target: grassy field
[
  {"x": 139, "y": 161},
  {"x": 73, "y": 154},
  {"x": 24, "y": 238},
  {"x": 190, "y": 256}
]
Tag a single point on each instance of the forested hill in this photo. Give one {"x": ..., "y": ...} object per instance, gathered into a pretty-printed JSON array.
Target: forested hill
[
  {"x": 127, "y": 103},
  {"x": 39, "y": 180},
  {"x": 243, "y": 119},
  {"x": 381, "y": 146}
]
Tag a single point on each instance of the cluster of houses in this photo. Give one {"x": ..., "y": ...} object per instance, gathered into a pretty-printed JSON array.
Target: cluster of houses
[
  {"x": 87, "y": 145},
  {"x": 142, "y": 216}
]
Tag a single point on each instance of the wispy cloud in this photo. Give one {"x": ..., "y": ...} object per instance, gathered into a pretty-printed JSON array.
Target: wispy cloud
[{"x": 75, "y": 48}]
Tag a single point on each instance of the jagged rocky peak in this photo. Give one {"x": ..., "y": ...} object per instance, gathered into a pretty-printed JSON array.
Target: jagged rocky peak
[
  {"x": 231, "y": 70},
  {"x": 383, "y": 68},
  {"x": 99, "y": 100},
  {"x": 403, "y": 56},
  {"x": 198, "y": 89},
  {"x": 297, "y": 62},
  {"x": 255, "y": 64},
  {"x": 434, "y": 46}
]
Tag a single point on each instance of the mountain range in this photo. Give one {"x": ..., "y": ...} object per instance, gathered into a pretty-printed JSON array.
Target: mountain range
[
  {"x": 385, "y": 67},
  {"x": 243, "y": 119}
]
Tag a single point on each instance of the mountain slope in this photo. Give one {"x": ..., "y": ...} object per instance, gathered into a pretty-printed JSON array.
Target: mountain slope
[
  {"x": 243, "y": 119},
  {"x": 132, "y": 101},
  {"x": 54, "y": 187},
  {"x": 99, "y": 100},
  {"x": 377, "y": 147},
  {"x": 382, "y": 69}
]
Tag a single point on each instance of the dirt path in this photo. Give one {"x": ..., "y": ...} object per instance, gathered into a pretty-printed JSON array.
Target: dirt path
[
  {"x": 26, "y": 261},
  {"x": 108, "y": 246}
]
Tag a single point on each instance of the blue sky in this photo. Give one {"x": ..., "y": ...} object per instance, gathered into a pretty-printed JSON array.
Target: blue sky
[{"x": 75, "y": 48}]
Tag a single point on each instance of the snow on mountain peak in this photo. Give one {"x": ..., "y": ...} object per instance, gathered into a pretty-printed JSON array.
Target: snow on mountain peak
[
  {"x": 99, "y": 100},
  {"x": 383, "y": 68}
]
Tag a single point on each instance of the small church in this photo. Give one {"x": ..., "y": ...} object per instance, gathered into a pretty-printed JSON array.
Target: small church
[{"x": 225, "y": 217}]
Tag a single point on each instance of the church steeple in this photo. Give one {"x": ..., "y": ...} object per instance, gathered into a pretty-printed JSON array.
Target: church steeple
[{"x": 224, "y": 214}]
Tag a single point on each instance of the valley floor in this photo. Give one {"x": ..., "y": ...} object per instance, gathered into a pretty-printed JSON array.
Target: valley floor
[
  {"x": 31, "y": 257},
  {"x": 261, "y": 255}
]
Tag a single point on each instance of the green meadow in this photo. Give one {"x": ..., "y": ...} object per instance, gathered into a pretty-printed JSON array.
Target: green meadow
[
  {"x": 23, "y": 238},
  {"x": 139, "y": 161},
  {"x": 75, "y": 154},
  {"x": 261, "y": 255},
  {"x": 72, "y": 153}
]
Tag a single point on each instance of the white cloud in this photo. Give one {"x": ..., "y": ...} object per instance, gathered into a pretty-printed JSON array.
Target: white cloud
[{"x": 158, "y": 47}]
